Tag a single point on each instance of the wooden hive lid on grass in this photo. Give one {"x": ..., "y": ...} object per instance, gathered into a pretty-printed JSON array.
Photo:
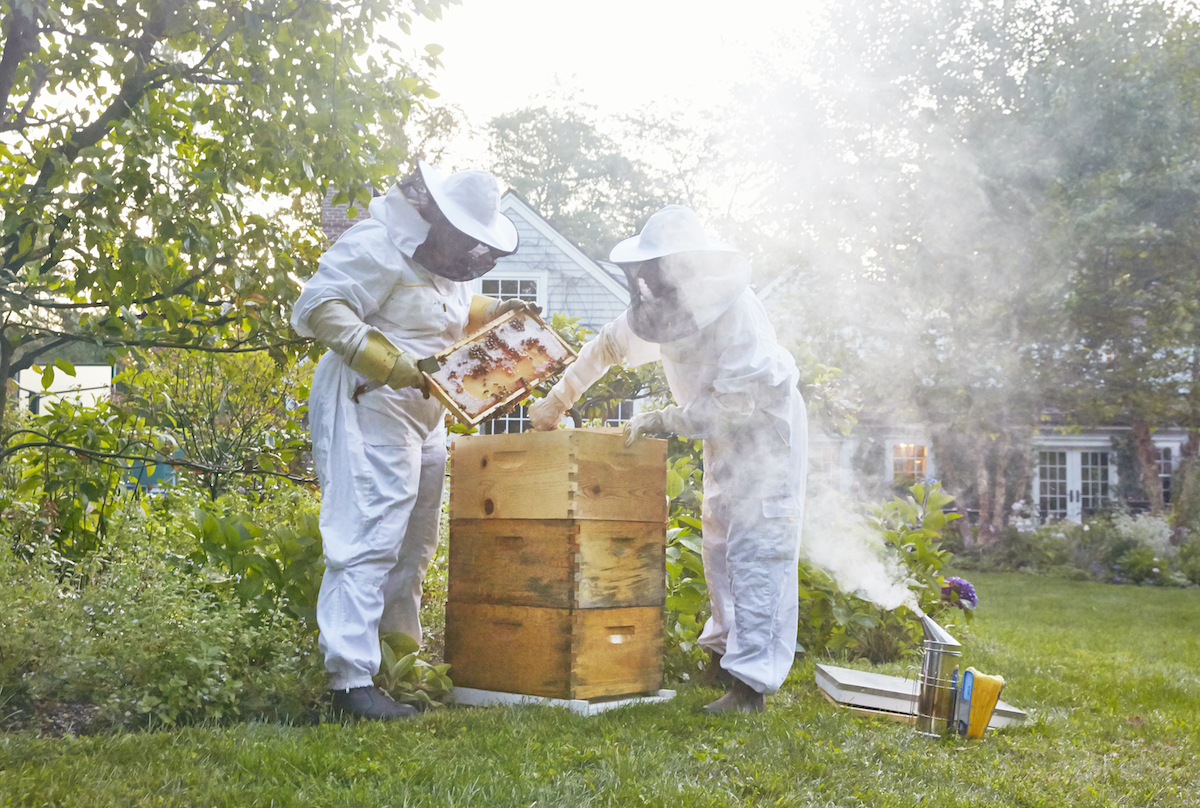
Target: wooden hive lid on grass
[{"x": 564, "y": 474}]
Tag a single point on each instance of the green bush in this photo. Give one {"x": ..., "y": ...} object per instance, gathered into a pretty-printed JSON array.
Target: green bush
[
  {"x": 144, "y": 642},
  {"x": 1188, "y": 560},
  {"x": 837, "y": 623},
  {"x": 1042, "y": 549},
  {"x": 408, "y": 676},
  {"x": 1140, "y": 566}
]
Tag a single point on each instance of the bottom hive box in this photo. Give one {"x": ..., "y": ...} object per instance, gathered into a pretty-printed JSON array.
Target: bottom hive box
[{"x": 555, "y": 653}]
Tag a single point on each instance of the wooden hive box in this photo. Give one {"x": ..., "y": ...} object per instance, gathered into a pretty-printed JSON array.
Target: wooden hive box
[
  {"x": 557, "y": 552},
  {"x": 564, "y": 474}
]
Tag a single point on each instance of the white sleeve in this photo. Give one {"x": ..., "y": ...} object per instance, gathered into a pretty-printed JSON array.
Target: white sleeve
[
  {"x": 614, "y": 344},
  {"x": 335, "y": 325},
  {"x": 362, "y": 268}
]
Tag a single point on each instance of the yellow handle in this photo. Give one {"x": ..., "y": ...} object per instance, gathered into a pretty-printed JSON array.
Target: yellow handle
[{"x": 985, "y": 694}]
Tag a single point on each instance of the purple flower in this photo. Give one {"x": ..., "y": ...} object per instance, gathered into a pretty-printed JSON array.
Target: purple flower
[{"x": 960, "y": 592}]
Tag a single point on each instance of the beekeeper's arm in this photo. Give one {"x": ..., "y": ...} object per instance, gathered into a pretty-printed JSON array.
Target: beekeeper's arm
[
  {"x": 615, "y": 343},
  {"x": 354, "y": 275},
  {"x": 751, "y": 373},
  {"x": 485, "y": 309},
  {"x": 365, "y": 349}
]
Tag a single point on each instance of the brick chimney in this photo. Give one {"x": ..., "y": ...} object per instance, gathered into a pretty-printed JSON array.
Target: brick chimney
[{"x": 335, "y": 221}]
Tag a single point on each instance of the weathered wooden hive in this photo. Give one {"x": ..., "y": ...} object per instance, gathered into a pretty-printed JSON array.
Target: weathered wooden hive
[{"x": 557, "y": 543}]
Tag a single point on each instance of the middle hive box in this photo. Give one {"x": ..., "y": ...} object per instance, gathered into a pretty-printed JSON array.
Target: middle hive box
[{"x": 556, "y": 563}]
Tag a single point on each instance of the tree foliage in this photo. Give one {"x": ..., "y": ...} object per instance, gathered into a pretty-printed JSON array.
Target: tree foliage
[
  {"x": 595, "y": 185},
  {"x": 989, "y": 210},
  {"x": 147, "y": 147}
]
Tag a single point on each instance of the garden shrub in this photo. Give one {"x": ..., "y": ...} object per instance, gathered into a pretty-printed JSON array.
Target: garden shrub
[
  {"x": 837, "y": 623},
  {"x": 273, "y": 570},
  {"x": 1041, "y": 549},
  {"x": 1145, "y": 530},
  {"x": 1188, "y": 560},
  {"x": 144, "y": 642},
  {"x": 1139, "y": 565}
]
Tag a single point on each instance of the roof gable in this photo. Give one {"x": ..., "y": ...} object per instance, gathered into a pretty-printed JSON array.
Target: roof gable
[{"x": 513, "y": 205}]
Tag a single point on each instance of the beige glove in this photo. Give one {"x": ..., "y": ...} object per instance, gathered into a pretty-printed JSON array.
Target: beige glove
[
  {"x": 652, "y": 423},
  {"x": 499, "y": 307},
  {"x": 363, "y": 348},
  {"x": 381, "y": 361},
  {"x": 546, "y": 413}
]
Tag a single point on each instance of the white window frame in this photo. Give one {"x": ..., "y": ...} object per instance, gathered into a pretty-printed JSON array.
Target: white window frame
[
  {"x": 539, "y": 276},
  {"x": 517, "y": 415},
  {"x": 1100, "y": 493},
  {"x": 918, "y": 457}
]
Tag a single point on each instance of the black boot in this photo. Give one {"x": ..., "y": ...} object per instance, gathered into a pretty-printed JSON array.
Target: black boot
[
  {"x": 739, "y": 698},
  {"x": 369, "y": 702},
  {"x": 713, "y": 674}
]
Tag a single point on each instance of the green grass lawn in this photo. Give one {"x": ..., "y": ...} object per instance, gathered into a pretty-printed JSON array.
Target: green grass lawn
[{"x": 1110, "y": 676}]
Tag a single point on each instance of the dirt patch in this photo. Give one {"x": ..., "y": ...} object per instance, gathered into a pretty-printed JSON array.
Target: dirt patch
[{"x": 52, "y": 719}]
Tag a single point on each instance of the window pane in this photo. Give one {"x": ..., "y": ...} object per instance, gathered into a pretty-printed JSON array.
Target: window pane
[
  {"x": 623, "y": 411},
  {"x": 1093, "y": 494},
  {"x": 908, "y": 462},
  {"x": 515, "y": 420},
  {"x": 491, "y": 288},
  {"x": 1052, "y": 484}
]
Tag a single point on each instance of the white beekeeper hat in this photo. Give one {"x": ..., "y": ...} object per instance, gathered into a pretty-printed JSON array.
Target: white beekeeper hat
[
  {"x": 470, "y": 200},
  {"x": 674, "y": 229}
]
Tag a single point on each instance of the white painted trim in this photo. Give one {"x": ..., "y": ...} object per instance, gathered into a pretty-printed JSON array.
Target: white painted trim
[
  {"x": 511, "y": 203},
  {"x": 503, "y": 272},
  {"x": 490, "y": 698}
]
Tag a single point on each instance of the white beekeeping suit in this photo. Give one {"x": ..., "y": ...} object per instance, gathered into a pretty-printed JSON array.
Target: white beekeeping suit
[
  {"x": 389, "y": 291},
  {"x": 735, "y": 388}
]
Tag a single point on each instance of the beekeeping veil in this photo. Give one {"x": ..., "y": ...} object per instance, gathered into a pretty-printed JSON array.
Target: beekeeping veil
[
  {"x": 680, "y": 280},
  {"x": 464, "y": 210}
]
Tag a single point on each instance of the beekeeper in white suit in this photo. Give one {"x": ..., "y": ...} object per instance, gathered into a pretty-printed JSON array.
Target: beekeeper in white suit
[
  {"x": 691, "y": 306},
  {"x": 392, "y": 290}
]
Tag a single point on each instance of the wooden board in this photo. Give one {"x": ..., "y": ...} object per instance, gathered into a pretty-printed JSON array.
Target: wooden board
[
  {"x": 563, "y": 474},
  {"x": 557, "y": 563},
  {"x": 557, "y": 653},
  {"x": 890, "y": 694},
  {"x": 491, "y": 369}
]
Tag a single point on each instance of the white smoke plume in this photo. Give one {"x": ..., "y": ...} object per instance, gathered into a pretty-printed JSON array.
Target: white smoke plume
[{"x": 840, "y": 542}]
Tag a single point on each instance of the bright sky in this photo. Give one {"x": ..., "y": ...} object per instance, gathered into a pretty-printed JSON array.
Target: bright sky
[{"x": 617, "y": 54}]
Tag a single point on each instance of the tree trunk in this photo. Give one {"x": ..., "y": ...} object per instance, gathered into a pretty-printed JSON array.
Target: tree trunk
[
  {"x": 1002, "y": 449},
  {"x": 986, "y": 493},
  {"x": 1148, "y": 464},
  {"x": 953, "y": 483},
  {"x": 6, "y": 355},
  {"x": 1024, "y": 477}
]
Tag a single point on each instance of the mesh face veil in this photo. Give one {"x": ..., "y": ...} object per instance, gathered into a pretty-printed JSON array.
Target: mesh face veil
[
  {"x": 447, "y": 251},
  {"x": 677, "y": 295}
]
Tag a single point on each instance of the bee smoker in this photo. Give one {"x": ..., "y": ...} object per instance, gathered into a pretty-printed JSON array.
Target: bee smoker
[{"x": 939, "y": 669}]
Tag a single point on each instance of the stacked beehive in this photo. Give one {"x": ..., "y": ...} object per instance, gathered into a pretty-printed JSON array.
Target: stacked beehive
[{"x": 557, "y": 543}]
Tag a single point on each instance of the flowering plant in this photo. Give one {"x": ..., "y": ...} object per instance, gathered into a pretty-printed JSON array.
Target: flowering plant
[{"x": 959, "y": 592}]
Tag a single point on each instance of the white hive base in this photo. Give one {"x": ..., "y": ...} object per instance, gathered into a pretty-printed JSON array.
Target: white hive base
[{"x": 491, "y": 698}]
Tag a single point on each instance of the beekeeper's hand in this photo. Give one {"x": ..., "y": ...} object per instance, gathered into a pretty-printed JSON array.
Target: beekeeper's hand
[
  {"x": 499, "y": 307},
  {"x": 546, "y": 413},
  {"x": 381, "y": 361},
  {"x": 643, "y": 424}
]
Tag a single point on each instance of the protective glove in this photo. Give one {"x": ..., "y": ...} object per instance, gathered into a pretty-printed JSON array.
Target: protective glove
[
  {"x": 546, "y": 413},
  {"x": 381, "y": 361},
  {"x": 652, "y": 423},
  {"x": 499, "y": 307}
]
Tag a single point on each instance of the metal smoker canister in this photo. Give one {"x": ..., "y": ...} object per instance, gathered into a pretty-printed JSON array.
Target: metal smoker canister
[{"x": 935, "y": 701}]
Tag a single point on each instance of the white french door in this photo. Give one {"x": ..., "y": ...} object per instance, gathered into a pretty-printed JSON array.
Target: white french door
[{"x": 1073, "y": 484}]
